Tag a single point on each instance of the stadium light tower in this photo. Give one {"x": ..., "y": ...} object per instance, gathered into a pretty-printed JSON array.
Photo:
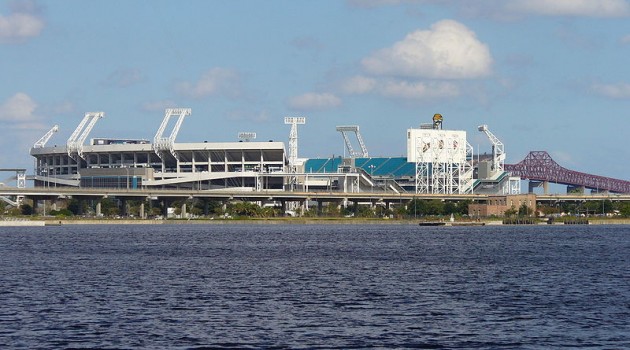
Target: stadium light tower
[
  {"x": 293, "y": 140},
  {"x": 246, "y": 136},
  {"x": 345, "y": 129}
]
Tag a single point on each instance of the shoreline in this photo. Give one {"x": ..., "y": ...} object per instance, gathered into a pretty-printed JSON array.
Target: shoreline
[{"x": 282, "y": 221}]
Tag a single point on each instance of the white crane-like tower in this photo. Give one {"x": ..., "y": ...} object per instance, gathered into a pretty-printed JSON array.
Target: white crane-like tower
[
  {"x": 293, "y": 150},
  {"x": 42, "y": 141},
  {"x": 498, "y": 150},
  {"x": 293, "y": 140},
  {"x": 163, "y": 144},
  {"x": 345, "y": 129},
  {"x": 74, "y": 145}
]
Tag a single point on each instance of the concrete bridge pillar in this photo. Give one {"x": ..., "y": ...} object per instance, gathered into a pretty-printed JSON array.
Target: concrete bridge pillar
[
  {"x": 124, "y": 207},
  {"x": 534, "y": 184},
  {"x": 165, "y": 205},
  {"x": 98, "y": 209},
  {"x": 304, "y": 206},
  {"x": 184, "y": 214},
  {"x": 320, "y": 205},
  {"x": 35, "y": 204},
  {"x": 284, "y": 209},
  {"x": 80, "y": 207},
  {"x": 141, "y": 214}
]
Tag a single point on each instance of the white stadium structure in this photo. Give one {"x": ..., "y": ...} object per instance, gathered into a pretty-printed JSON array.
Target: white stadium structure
[{"x": 438, "y": 161}]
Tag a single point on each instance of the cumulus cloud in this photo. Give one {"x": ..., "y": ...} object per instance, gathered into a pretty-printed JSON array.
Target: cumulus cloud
[
  {"x": 124, "y": 77},
  {"x": 18, "y": 112},
  {"x": 22, "y": 23},
  {"x": 314, "y": 101},
  {"x": 18, "y": 108},
  {"x": 425, "y": 64},
  {"x": 215, "y": 82},
  {"x": 585, "y": 8},
  {"x": 616, "y": 91},
  {"x": 513, "y": 9},
  {"x": 449, "y": 50},
  {"x": 358, "y": 85}
]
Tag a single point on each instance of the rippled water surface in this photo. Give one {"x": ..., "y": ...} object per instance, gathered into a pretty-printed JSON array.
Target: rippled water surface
[{"x": 302, "y": 286}]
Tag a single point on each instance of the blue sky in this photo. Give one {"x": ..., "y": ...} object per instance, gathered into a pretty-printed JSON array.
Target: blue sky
[{"x": 543, "y": 74}]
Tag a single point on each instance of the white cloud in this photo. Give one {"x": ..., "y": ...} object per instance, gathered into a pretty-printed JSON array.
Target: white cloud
[
  {"x": 449, "y": 50},
  {"x": 21, "y": 24},
  {"x": 586, "y": 8},
  {"x": 419, "y": 90},
  {"x": 314, "y": 101},
  {"x": 513, "y": 9},
  {"x": 215, "y": 82},
  {"x": 18, "y": 112},
  {"x": 617, "y": 91},
  {"x": 18, "y": 108},
  {"x": 358, "y": 85}
]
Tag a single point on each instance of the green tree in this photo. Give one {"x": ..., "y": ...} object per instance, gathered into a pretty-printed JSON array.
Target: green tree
[
  {"x": 365, "y": 211},
  {"x": 510, "y": 212},
  {"x": 245, "y": 209},
  {"x": 624, "y": 209},
  {"x": 524, "y": 210},
  {"x": 76, "y": 206},
  {"x": 331, "y": 210},
  {"x": 109, "y": 207},
  {"x": 26, "y": 209},
  {"x": 62, "y": 213},
  {"x": 462, "y": 206},
  {"x": 400, "y": 211},
  {"x": 450, "y": 208}
]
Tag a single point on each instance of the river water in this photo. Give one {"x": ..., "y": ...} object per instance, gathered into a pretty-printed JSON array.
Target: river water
[{"x": 314, "y": 286}]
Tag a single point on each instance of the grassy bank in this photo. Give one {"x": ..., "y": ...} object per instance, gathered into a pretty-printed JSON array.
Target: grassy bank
[{"x": 279, "y": 221}]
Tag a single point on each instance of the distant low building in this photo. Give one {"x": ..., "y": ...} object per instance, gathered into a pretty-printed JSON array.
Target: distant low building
[{"x": 498, "y": 205}]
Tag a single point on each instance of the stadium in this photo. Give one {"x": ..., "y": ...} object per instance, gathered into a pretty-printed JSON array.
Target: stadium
[{"x": 438, "y": 161}]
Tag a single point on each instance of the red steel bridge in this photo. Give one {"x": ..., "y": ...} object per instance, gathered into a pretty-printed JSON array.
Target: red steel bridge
[{"x": 539, "y": 166}]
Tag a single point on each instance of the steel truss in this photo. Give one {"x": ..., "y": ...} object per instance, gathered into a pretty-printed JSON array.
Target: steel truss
[
  {"x": 438, "y": 175},
  {"x": 539, "y": 166}
]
